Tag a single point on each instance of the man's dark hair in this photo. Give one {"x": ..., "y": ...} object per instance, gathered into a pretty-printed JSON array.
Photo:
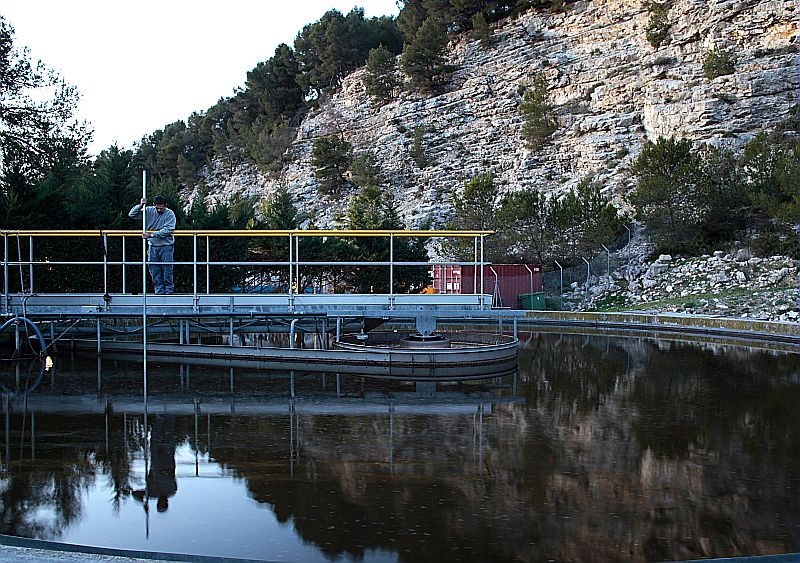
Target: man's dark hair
[{"x": 159, "y": 200}]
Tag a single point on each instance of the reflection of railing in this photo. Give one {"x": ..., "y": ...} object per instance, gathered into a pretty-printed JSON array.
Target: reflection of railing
[{"x": 292, "y": 236}]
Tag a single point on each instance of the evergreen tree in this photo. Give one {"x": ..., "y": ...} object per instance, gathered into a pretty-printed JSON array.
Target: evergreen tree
[
  {"x": 373, "y": 209},
  {"x": 365, "y": 171},
  {"x": 665, "y": 197},
  {"x": 721, "y": 197},
  {"x": 423, "y": 60},
  {"x": 380, "y": 80},
  {"x": 537, "y": 113},
  {"x": 280, "y": 213},
  {"x": 273, "y": 86},
  {"x": 771, "y": 169},
  {"x": 412, "y": 14},
  {"x": 267, "y": 143},
  {"x": 527, "y": 231},
  {"x": 37, "y": 110},
  {"x": 336, "y": 45},
  {"x": 481, "y": 30},
  {"x": 476, "y": 208},
  {"x": 331, "y": 157}
]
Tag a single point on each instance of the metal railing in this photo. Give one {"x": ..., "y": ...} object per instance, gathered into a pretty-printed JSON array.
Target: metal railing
[{"x": 292, "y": 237}]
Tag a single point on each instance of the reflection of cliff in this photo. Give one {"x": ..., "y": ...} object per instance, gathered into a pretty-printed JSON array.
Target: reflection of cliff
[{"x": 674, "y": 447}]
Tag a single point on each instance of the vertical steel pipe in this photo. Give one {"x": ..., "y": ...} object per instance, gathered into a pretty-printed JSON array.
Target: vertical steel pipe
[
  {"x": 144, "y": 290},
  {"x": 208, "y": 264}
]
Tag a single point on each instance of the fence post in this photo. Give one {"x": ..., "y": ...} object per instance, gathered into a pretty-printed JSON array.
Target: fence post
[
  {"x": 629, "y": 250},
  {"x": 561, "y": 287},
  {"x": 608, "y": 260}
]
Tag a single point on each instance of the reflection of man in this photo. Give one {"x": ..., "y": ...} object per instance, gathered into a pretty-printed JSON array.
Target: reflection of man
[{"x": 160, "y": 482}]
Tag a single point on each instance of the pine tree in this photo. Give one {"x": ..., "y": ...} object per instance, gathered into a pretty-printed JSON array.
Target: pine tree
[
  {"x": 423, "y": 60},
  {"x": 537, "y": 113},
  {"x": 481, "y": 30},
  {"x": 380, "y": 80},
  {"x": 331, "y": 157}
]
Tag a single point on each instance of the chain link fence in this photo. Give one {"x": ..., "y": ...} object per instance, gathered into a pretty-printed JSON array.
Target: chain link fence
[{"x": 583, "y": 271}]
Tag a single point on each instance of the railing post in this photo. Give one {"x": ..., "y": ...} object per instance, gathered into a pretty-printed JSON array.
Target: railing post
[
  {"x": 124, "y": 285},
  {"x": 208, "y": 264},
  {"x": 5, "y": 272},
  {"x": 297, "y": 262},
  {"x": 475, "y": 271},
  {"x": 291, "y": 271},
  {"x": 30, "y": 264},
  {"x": 105, "y": 266},
  {"x": 194, "y": 268},
  {"x": 391, "y": 271},
  {"x": 483, "y": 305}
]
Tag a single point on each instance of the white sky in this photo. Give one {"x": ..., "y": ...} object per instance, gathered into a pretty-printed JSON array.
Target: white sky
[{"x": 141, "y": 65}]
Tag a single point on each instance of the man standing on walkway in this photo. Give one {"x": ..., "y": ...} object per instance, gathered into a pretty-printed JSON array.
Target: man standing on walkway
[{"x": 159, "y": 224}]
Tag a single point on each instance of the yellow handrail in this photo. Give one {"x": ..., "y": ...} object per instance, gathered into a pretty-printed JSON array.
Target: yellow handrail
[{"x": 253, "y": 233}]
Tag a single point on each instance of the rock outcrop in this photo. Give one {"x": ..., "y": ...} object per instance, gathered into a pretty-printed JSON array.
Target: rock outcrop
[{"x": 612, "y": 89}]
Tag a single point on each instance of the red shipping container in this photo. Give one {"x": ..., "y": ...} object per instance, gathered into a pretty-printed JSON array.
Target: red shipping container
[{"x": 505, "y": 282}]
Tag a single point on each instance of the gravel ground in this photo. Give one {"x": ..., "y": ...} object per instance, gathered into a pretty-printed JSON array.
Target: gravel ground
[{"x": 10, "y": 554}]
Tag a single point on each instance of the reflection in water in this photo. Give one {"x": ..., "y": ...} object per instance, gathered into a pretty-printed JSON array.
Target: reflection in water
[
  {"x": 604, "y": 449},
  {"x": 160, "y": 482}
]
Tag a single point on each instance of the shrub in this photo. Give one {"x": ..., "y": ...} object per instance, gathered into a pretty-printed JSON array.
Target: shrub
[
  {"x": 658, "y": 25},
  {"x": 718, "y": 62},
  {"x": 417, "y": 150}
]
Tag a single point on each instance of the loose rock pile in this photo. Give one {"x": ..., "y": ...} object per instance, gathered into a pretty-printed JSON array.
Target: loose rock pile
[{"x": 730, "y": 284}]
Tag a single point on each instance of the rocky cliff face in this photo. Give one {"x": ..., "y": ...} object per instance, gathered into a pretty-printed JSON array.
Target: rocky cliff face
[{"x": 613, "y": 91}]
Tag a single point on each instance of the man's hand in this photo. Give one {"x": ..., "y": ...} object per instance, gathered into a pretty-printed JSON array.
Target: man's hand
[
  {"x": 144, "y": 201},
  {"x": 146, "y": 235}
]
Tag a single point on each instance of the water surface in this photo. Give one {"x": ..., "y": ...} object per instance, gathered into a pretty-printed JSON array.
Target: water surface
[{"x": 599, "y": 449}]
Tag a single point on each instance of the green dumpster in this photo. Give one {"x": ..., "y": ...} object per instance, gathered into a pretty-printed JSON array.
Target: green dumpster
[{"x": 533, "y": 301}]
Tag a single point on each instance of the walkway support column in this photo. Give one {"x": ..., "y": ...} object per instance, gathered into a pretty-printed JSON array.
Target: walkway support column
[{"x": 291, "y": 332}]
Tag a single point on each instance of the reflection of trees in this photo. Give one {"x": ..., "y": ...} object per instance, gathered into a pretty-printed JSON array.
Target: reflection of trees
[{"x": 40, "y": 500}]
